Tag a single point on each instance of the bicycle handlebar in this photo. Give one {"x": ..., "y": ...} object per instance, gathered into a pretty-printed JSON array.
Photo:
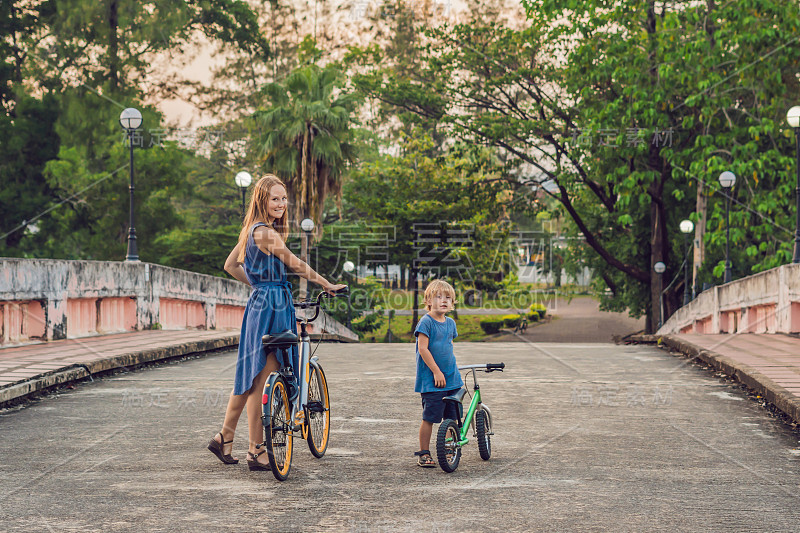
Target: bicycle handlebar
[
  {"x": 488, "y": 367},
  {"x": 307, "y": 304}
]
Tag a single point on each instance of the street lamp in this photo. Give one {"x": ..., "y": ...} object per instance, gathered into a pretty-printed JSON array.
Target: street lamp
[
  {"x": 243, "y": 180},
  {"x": 793, "y": 118},
  {"x": 727, "y": 179},
  {"x": 348, "y": 267},
  {"x": 130, "y": 119},
  {"x": 307, "y": 225},
  {"x": 659, "y": 269},
  {"x": 686, "y": 228}
]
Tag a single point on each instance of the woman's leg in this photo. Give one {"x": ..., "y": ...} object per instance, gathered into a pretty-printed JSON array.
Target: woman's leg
[
  {"x": 254, "y": 395},
  {"x": 236, "y": 403}
]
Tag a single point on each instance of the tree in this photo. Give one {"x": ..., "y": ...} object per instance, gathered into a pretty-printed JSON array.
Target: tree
[
  {"x": 64, "y": 163},
  {"x": 307, "y": 120},
  {"x": 621, "y": 108},
  {"x": 426, "y": 198}
]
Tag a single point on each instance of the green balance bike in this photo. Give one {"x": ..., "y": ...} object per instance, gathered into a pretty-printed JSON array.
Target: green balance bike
[{"x": 452, "y": 434}]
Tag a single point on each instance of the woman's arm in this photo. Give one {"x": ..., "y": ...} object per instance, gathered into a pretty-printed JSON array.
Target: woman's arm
[
  {"x": 268, "y": 240},
  {"x": 234, "y": 268}
]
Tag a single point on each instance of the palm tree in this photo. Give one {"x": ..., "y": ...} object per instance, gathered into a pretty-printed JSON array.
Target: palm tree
[{"x": 306, "y": 136}]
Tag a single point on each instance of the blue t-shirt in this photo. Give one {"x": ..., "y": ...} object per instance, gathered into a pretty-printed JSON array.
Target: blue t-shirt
[{"x": 440, "y": 344}]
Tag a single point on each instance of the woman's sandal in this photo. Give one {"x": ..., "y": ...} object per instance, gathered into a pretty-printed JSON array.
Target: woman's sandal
[
  {"x": 217, "y": 448},
  {"x": 424, "y": 459},
  {"x": 253, "y": 463}
]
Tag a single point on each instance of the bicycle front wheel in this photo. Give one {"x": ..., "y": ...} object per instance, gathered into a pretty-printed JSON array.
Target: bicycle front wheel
[
  {"x": 484, "y": 430},
  {"x": 277, "y": 430},
  {"x": 448, "y": 451},
  {"x": 319, "y": 411}
]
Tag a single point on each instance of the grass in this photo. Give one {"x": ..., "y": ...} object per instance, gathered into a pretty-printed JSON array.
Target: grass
[
  {"x": 519, "y": 298},
  {"x": 469, "y": 329}
]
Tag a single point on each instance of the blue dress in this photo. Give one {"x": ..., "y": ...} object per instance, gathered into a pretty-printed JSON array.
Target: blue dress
[{"x": 269, "y": 310}]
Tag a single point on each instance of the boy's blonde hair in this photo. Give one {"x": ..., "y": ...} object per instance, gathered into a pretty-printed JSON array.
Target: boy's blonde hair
[{"x": 438, "y": 286}]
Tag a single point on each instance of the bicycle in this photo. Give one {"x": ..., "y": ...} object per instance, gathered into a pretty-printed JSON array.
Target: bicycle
[
  {"x": 521, "y": 325},
  {"x": 452, "y": 434},
  {"x": 308, "y": 415}
]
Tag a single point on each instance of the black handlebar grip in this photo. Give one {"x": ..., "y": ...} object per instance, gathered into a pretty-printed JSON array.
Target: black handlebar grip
[{"x": 491, "y": 367}]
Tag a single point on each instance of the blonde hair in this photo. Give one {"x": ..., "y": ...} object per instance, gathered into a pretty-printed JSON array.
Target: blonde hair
[
  {"x": 438, "y": 286},
  {"x": 257, "y": 212}
]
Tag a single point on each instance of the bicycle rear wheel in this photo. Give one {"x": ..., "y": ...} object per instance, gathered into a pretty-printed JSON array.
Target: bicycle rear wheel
[
  {"x": 319, "y": 413},
  {"x": 448, "y": 451},
  {"x": 277, "y": 432}
]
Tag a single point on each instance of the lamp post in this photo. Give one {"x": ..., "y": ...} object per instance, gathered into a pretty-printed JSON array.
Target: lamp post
[
  {"x": 659, "y": 269},
  {"x": 243, "y": 180},
  {"x": 727, "y": 179},
  {"x": 348, "y": 267},
  {"x": 307, "y": 225},
  {"x": 130, "y": 119},
  {"x": 793, "y": 118},
  {"x": 686, "y": 229}
]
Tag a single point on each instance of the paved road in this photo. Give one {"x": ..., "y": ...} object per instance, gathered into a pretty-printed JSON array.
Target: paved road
[
  {"x": 590, "y": 437},
  {"x": 579, "y": 320}
]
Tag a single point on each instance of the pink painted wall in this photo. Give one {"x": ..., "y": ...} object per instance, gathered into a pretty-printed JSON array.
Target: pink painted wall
[
  {"x": 795, "y": 323},
  {"x": 182, "y": 314},
  {"x": 761, "y": 319},
  {"x": 703, "y": 326},
  {"x": 21, "y": 321},
  {"x": 81, "y": 317},
  {"x": 229, "y": 316},
  {"x": 116, "y": 315}
]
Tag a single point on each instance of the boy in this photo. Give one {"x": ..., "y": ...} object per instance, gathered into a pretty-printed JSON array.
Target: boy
[{"x": 437, "y": 371}]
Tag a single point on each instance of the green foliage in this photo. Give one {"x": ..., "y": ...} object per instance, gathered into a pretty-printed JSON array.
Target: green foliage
[
  {"x": 459, "y": 190},
  {"x": 491, "y": 325},
  {"x": 510, "y": 321},
  {"x": 201, "y": 250},
  {"x": 307, "y": 120},
  {"x": 539, "y": 309},
  {"x": 366, "y": 313},
  {"x": 591, "y": 113},
  {"x": 64, "y": 160},
  {"x": 533, "y": 316}
]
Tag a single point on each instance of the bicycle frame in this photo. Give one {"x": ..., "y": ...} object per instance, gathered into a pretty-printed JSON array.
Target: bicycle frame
[
  {"x": 474, "y": 405},
  {"x": 304, "y": 373}
]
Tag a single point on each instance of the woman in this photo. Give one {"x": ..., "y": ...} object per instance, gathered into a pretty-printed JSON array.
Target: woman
[{"x": 260, "y": 259}]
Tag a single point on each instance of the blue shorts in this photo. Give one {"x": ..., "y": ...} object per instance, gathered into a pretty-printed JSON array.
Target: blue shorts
[{"x": 434, "y": 408}]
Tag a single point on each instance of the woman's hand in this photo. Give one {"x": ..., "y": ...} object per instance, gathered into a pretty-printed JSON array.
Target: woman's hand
[{"x": 331, "y": 289}]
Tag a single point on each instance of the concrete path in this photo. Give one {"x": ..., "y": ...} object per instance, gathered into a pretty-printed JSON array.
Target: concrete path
[
  {"x": 34, "y": 367},
  {"x": 769, "y": 365},
  {"x": 589, "y": 437},
  {"x": 579, "y": 320}
]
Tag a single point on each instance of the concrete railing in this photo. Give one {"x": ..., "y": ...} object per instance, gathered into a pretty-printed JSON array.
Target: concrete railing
[
  {"x": 767, "y": 302},
  {"x": 49, "y": 299}
]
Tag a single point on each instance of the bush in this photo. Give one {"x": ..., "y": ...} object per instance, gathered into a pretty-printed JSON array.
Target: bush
[
  {"x": 491, "y": 325},
  {"x": 539, "y": 308},
  {"x": 511, "y": 320},
  {"x": 533, "y": 316}
]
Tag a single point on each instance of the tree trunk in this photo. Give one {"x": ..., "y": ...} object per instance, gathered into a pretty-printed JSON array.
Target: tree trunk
[
  {"x": 699, "y": 254},
  {"x": 113, "y": 45},
  {"x": 414, "y": 313}
]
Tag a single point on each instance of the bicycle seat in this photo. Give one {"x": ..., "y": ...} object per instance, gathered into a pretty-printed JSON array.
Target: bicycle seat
[
  {"x": 281, "y": 339},
  {"x": 457, "y": 397}
]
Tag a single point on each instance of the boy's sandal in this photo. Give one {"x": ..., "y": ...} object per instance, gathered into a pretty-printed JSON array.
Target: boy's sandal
[
  {"x": 217, "y": 448},
  {"x": 424, "y": 459}
]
